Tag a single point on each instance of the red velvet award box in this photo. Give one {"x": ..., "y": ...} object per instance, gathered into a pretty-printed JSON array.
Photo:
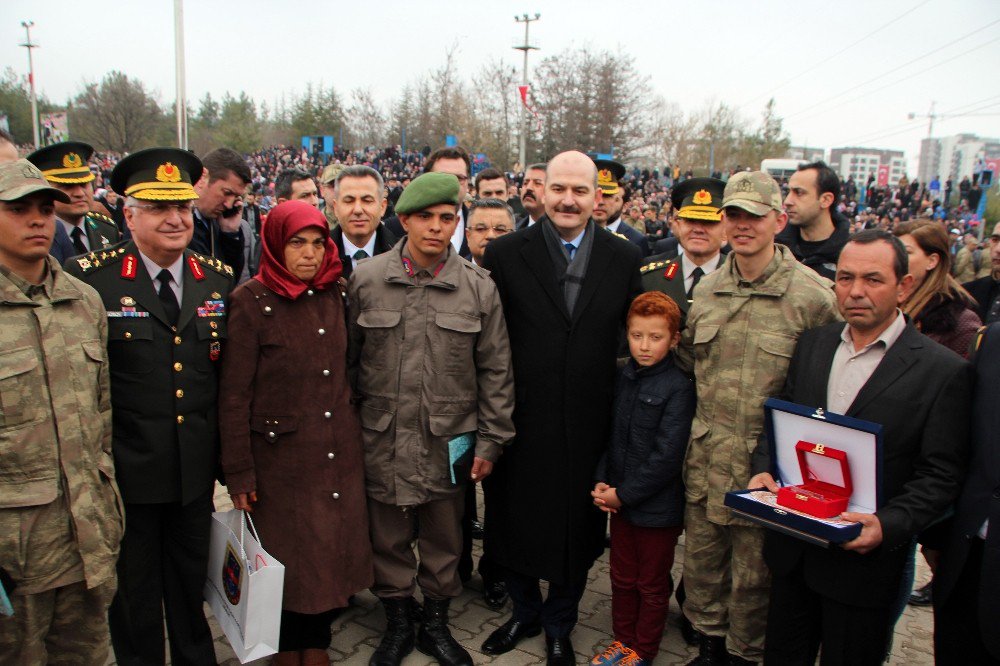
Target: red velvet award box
[{"x": 827, "y": 486}]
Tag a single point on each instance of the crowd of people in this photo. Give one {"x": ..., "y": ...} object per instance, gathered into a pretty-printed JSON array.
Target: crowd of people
[{"x": 351, "y": 345}]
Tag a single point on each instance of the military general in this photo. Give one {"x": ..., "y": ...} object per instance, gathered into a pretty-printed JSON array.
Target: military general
[{"x": 167, "y": 324}]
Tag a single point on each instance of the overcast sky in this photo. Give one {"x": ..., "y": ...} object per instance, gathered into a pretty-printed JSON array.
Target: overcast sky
[{"x": 842, "y": 73}]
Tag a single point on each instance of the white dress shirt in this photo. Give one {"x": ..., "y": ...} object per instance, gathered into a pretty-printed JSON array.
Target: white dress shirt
[
  {"x": 851, "y": 369},
  {"x": 350, "y": 248},
  {"x": 688, "y": 266}
]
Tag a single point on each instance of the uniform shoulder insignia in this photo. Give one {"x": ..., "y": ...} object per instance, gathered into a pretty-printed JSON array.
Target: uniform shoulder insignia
[
  {"x": 215, "y": 264},
  {"x": 477, "y": 270},
  {"x": 89, "y": 263},
  {"x": 100, "y": 217},
  {"x": 648, "y": 267}
]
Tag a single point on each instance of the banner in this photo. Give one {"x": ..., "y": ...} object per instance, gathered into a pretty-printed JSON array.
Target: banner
[
  {"x": 55, "y": 127},
  {"x": 523, "y": 91},
  {"x": 883, "y": 175}
]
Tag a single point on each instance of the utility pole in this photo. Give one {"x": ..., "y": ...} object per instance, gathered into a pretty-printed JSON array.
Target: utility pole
[
  {"x": 525, "y": 126},
  {"x": 181, "y": 94},
  {"x": 27, "y": 25}
]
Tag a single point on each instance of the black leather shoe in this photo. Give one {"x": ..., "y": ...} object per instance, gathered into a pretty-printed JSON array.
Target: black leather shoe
[
  {"x": 477, "y": 530},
  {"x": 507, "y": 637},
  {"x": 559, "y": 651},
  {"x": 711, "y": 651},
  {"x": 494, "y": 593},
  {"x": 435, "y": 640},
  {"x": 922, "y": 596},
  {"x": 398, "y": 639}
]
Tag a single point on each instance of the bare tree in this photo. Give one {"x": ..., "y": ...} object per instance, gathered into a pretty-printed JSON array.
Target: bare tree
[
  {"x": 117, "y": 114},
  {"x": 367, "y": 123}
]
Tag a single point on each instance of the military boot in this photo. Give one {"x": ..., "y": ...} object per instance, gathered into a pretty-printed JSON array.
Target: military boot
[
  {"x": 398, "y": 639},
  {"x": 435, "y": 640},
  {"x": 711, "y": 651}
]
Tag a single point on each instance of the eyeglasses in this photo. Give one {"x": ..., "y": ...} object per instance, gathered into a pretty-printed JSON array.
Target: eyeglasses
[
  {"x": 483, "y": 228},
  {"x": 299, "y": 243},
  {"x": 162, "y": 208}
]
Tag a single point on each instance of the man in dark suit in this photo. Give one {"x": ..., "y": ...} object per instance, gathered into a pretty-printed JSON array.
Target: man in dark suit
[
  {"x": 166, "y": 324},
  {"x": 532, "y": 193},
  {"x": 252, "y": 213},
  {"x": 217, "y": 212},
  {"x": 697, "y": 223},
  {"x": 456, "y": 162},
  {"x": 608, "y": 211},
  {"x": 967, "y": 582},
  {"x": 879, "y": 368},
  {"x": 80, "y": 229},
  {"x": 986, "y": 290},
  {"x": 358, "y": 203},
  {"x": 565, "y": 286}
]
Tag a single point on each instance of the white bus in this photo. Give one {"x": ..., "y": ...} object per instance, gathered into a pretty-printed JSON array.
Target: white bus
[{"x": 780, "y": 169}]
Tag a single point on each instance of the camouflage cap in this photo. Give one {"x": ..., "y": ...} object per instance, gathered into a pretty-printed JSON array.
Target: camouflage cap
[
  {"x": 330, "y": 173},
  {"x": 20, "y": 178},
  {"x": 754, "y": 191}
]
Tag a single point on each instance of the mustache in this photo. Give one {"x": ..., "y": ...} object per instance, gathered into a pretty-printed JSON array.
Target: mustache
[
  {"x": 528, "y": 195},
  {"x": 567, "y": 209}
]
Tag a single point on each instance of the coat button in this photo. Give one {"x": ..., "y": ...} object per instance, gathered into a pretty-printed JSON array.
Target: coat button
[
  {"x": 128, "y": 336},
  {"x": 267, "y": 308},
  {"x": 213, "y": 325},
  {"x": 327, "y": 415},
  {"x": 180, "y": 393},
  {"x": 180, "y": 419},
  {"x": 309, "y": 292},
  {"x": 326, "y": 373},
  {"x": 178, "y": 367},
  {"x": 271, "y": 435},
  {"x": 177, "y": 340},
  {"x": 215, "y": 334},
  {"x": 331, "y": 455},
  {"x": 336, "y": 496},
  {"x": 996, "y": 495},
  {"x": 322, "y": 331}
]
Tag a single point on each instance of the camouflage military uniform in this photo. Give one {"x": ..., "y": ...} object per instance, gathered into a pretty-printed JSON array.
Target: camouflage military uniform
[
  {"x": 61, "y": 518},
  {"x": 738, "y": 341}
]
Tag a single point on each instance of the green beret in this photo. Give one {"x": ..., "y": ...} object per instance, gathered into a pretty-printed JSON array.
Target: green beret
[{"x": 426, "y": 190}]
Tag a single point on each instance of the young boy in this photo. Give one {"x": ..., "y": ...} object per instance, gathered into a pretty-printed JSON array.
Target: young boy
[{"x": 639, "y": 480}]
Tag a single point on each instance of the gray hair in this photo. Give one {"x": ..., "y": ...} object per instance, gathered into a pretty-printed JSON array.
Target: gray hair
[
  {"x": 360, "y": 171},
  {"x": 491, "y": 204}
]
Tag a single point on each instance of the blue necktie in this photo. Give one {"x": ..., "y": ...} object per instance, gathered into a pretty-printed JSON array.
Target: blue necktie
[{"x": 571, "y": 249}]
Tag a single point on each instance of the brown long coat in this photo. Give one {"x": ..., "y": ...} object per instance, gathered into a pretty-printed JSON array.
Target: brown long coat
[{"x": 290, "y": 433}]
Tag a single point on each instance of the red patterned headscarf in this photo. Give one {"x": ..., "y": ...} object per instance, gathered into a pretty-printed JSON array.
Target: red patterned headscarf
[{"x": 284, "y": 221}]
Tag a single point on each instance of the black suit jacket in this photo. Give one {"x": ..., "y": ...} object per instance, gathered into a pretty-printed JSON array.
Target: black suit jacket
[
  {"x": 101, "y": 233},
  {"x": 209, "y": 240},
  {"x": 980, "y": 497},
  {"x": 384, "y": 240},
  {"x": 163, "y": 381},
  {"x": 564, "y": 372},
  {"x": 984, "y": 290},
  {"x": 921, "y": 394},
  {"x": 667, "y": 247},
  {"x": 396, "y": 229}
]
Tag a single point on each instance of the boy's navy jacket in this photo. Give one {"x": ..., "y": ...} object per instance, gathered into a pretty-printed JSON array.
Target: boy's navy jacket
[{"x": 653, "y": 409}]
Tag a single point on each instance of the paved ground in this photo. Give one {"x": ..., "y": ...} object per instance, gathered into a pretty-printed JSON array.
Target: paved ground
[{"x": 356, "y": 633}]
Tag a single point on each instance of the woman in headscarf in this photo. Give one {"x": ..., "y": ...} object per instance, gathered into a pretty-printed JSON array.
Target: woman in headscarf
[{"x": 291, "y": 440}]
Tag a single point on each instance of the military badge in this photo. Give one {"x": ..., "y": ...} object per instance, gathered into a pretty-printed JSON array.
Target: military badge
[
  {"x": 196, "y": 269},
  {"x": 212, "y": 308},
  {"x": 168, "y": 173},
  {"x": 702, "y": 197},
  {"x": 72, "y": 161},
  {"x": 214, "y": 350},
  {"x": 130, "y": 267},
  {"x": 84, "y": 263},
  {"x": 671, "y": 271},
  {"x": 216, "y": 294},
  {"x": 127, "y": 300},
  {"x": 232, "y": 574}
]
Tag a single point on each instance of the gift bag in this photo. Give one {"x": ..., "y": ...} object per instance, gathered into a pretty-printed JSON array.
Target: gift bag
[{"x": 244, "y": 586}]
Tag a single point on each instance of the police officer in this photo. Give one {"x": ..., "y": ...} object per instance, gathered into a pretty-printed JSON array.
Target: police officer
[
  {"x": 167, "y": 323},
  {"x": 608, "y": 210},
  {"x": 61, "y": 515},
  {"x": 79, "y": 229},
  {"x": 700, "y": 233}
]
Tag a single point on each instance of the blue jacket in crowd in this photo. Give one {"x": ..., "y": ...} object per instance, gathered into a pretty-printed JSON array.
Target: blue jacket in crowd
[{"x": 653, "y": 409}]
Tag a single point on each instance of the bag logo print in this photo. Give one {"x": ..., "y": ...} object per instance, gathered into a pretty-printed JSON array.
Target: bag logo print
[{"x": 232, "y": 572}]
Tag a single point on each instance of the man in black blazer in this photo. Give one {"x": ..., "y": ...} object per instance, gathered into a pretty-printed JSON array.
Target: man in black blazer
[
  {"x": 566, "y": 286},
  {"x": 986, "y": 290},
  {"x": 967, "y": 582},
  {"x": 532, "y": 193},
  {"x": 456, "y": 162},
  {"x": 358, "y": 202},
  {"x": 879, "y": 368}
]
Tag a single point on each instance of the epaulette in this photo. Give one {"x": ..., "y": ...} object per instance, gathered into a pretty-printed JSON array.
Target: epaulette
[
  {"x": 622, "y": 236},
  {"x": 478, "y": 270},
  {"x": 653, "y": 266},
  {"x": 101, "y": 217},
  {"x": 215, "y": 264},
  {"x": 99, "y": 259},
  {"x": 980, "y": 334}
]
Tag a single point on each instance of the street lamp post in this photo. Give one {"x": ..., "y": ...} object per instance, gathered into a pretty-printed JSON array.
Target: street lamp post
[
  {"x": 27, "y": 25},
  {"x": 525, "y": 126},
  {"x": 179, "y": 71}
]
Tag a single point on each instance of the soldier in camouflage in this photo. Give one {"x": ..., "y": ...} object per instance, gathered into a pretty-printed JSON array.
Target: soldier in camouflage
[
  {"x": 61, "y": 518},
  {"x": 741, "y": 331}
]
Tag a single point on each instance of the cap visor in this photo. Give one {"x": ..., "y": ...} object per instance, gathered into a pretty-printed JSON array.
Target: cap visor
[
  {"x": 700, "y": 213},
  {"x": 15, "y": 193},
  {"x": 752, "y": 207},
  {"x": 609, "y": 189}
]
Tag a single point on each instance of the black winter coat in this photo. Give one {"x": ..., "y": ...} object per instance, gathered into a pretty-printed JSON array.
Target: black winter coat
[{"x": 652, "y": 421}]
